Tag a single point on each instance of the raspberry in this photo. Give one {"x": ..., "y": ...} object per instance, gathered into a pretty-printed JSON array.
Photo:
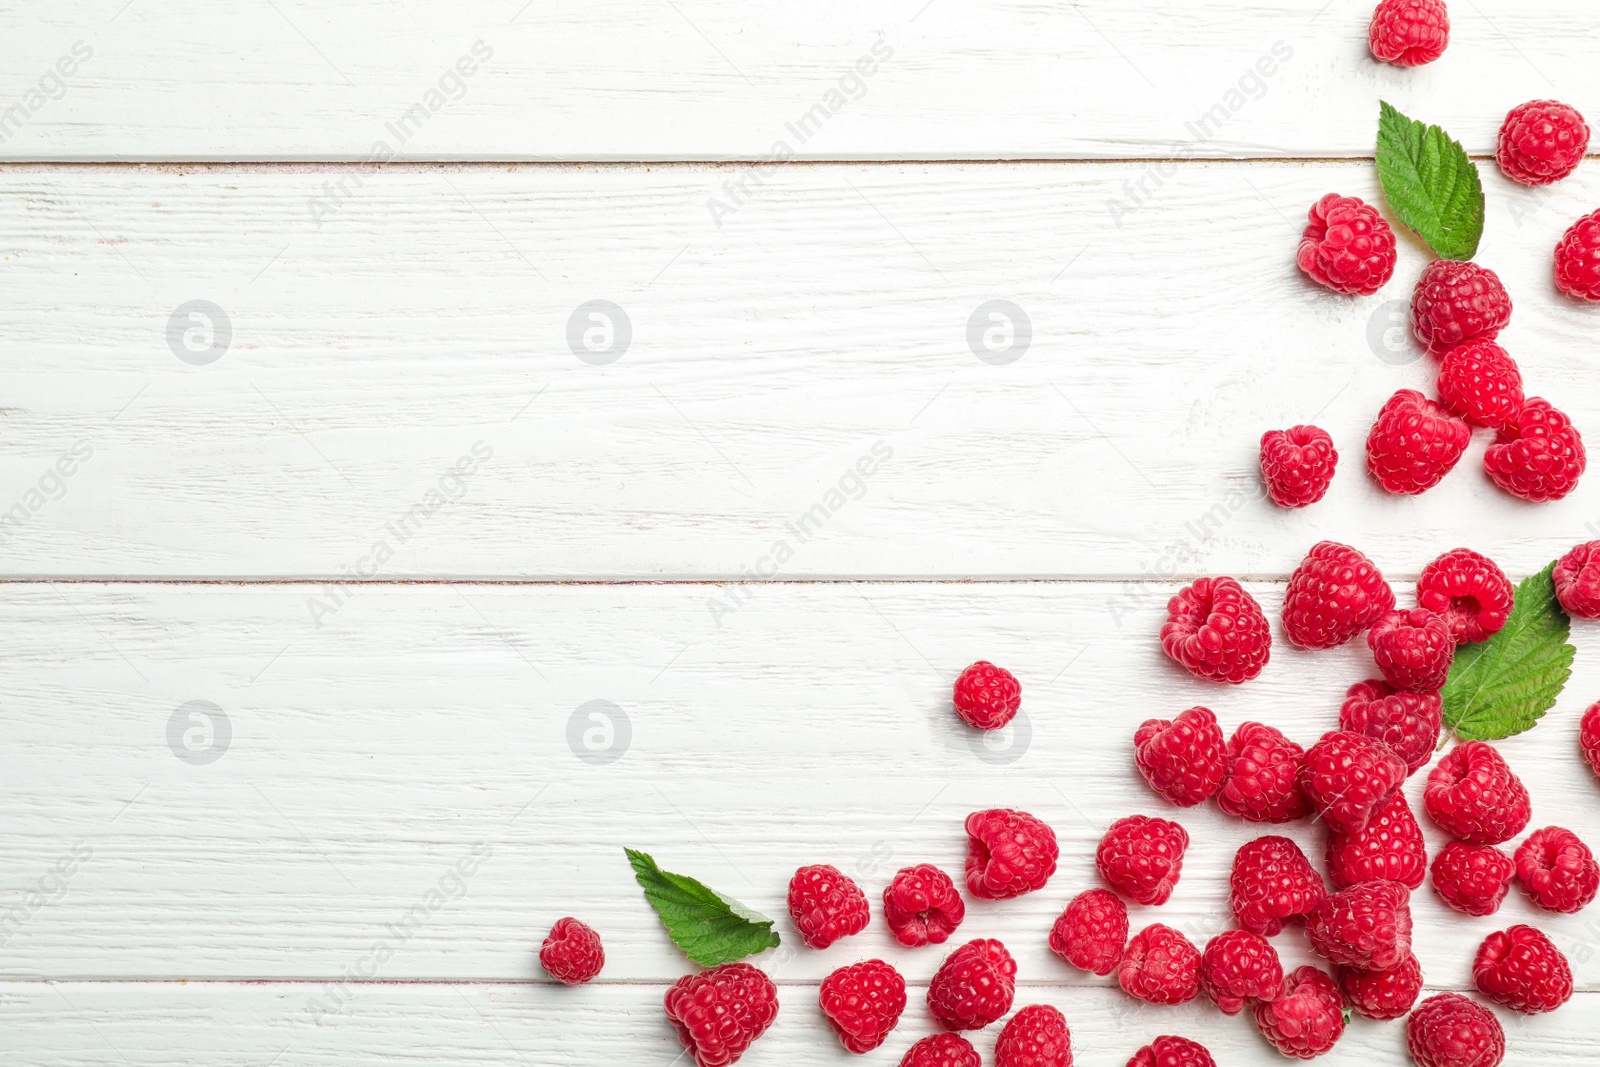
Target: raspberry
[
  {"x": 1589, "y": 737},
  {"x": 1184, "y": 760},
  {"x": 1414, "y": 443},
  {"x": 1334, "y": 594},
  {"x": 1448, "y": 1030},
  {"x": 1036, "y": 1036},
  {"x": 1539, "y": 455},
  {"x": 826, "y": 906},
  {"x": 1578, "y": 259},
  {"x": 1472, "y": 879},
  {"x": 1238, "y": 966},
  {"x": 1348, "y": 777},
  {"x": 1414, "y": 650},
  {"x": 1389, "y": 849},
  {"x": 863, "y": 1002},
  {"x": 571, "y": 954},
  {"x": 720, "y": 1012},
  {"x": 1169, "y": 1051},
  {"x": 1577, "y": 578},
  {"x": 1091, "y": 932},
  {"x": 1263, "y": 776},
  {"x": 1457, "y": 302},
  {"x": 1143, "y": 857},
  {"x": 1475, "y": 797},
  {"x": 1557, "y": 870},
  {"x": 1160, "y": 966},
  {"x": 1297, "y": 465},
  {"x": 1009, "y": 853},
  {"x": 1217, "y": 631},
  {"x": 1367, "y": 926},
  {"x": 1383, "y": 994},
  {"x": 1482, "y": 383},
  {"x": 1307, "y": 1018},
  {"x": 1473, "y": 595},
  {"x": 987, "y": 696},
  {"x": 942, "y": 1050},
  {"x": 973, "y": 986},
  {"x": 1347, "y": 246},
  {"x": 1409, "y": 723},
  {"x": 1522, "y": 969},
  {"x": 1272, "y": 882},
  {"x": 1541, "y": 142},
  {"x": 921, "y": 906},
  {"x": 1409, "y": 33}
]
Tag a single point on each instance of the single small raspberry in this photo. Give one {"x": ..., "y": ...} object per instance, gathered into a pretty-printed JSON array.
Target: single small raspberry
[
  {"x": 1237, "y": 967},
  {"x": 1413, "y": 649},
  {"x": 1297, "y": 465},
  {"x": 1383, "y": 994},
  {"x": 1143, "y": 857},
  {"x": 1092, "y": 932},
  {"x": 1348, "y": 777},
  {"x": 1539, "y": 455},
  {"x": 921, "y": 906},
  {"x": 1414, "y": 443},
  {"x": 1334, "y": 594},
  {"x": 1036, "y": 1036},
  {"x": 1589, "y": 737},
  {"x": 863, "y": 1002},
  {"x": 1475, "y": 797},
  {"x": 1456, "y": 302},
  {"x": 1169, "y": 1051},
  {"x": 1263, "y": 779},
  {"x": 1184, "y": 759},
  {"x": 1578, "y": 259},
  {"x": 825, "y": 905},
  {"x": 1367, "y": 926},
  {"x": 942, "y": 1050},
  {"x": 1160, "y": 966},
  {"x": 1482, "y": 383},
  {"x": 1469, "y": 591},
  {"x": 1448, "y": 1030},
  {"x": 987, "y": 696},
  {"x": 1522, "y": 969},
  {"x": 1390, "y": 849},
  {"x": 1347, "y": 246},
  {"x": 973, "y": 986},
  {"x": 572, "y": 953},
  {"x": 1557, "y": 870},
  {"x": 1409, "y": 33},
  {"x": 720, "y": 1012},
  {"x": 1541, "y": 142},
  {"x": 1272, "y": 882},
  {"x": 1307, "y": 1018},
  {"x": 1409, "y": 723},
  {"x": 1009, "y": 853},
  {"x": 1577, "y": 578},
  {"x": 1217, "y": 631},
  {"x": 1472, "y": 879}
]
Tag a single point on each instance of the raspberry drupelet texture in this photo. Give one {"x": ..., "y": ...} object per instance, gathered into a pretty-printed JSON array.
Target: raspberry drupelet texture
[
  {"x": 1577, "y": 577},
  {"x": 1390, "y": 849},
  {"x": 1409, "y": 33},
  {"x": 1414, "y": 650},
  {"x": 1474, "y": 796},
  {"x": 1184, "y": 759},
  {"x": 1142, "y": 857},
  {"x": 1541, "y": 142},
  {"x": 720, "y": 1012},
  {"x": 1263, "y": 776},
  {"x": 1297, "y": 465},
  {"x": 1160, "y": 966},
  {"x": 1238, "y": 967},
  {"x": 1589, "y": 737},
  {"x": 1469, "y": 591},
  {"x": 1333, "y": 595},
  {"x": 1271, "y": 883},
  {"x": 1537, "y": 456},
  {"x": 1557, "y": 870},
  {"x": 1170, "y": 1051},
  {"x": 1414, "y": 443},
  {"x": 1457, "y": 302},
  {"x": 942, "y": 1050},
  {"x": 1347, "y": 246},
  {"x": 1482, "y": 383},
  {"x": 1472, "y": 879},
  {"x": 572, "y": 953},
  {"x": 1349, "y": 777},
  {"x": 1522, "y": 969},
  {"x": 922, "y": 906},
  {"x": 1217, "y": 631},
  {"x": 1367, "y": 926},
  {"x": 1386, "y": 994},
  {"x": 973, "y": 986},
  {"x": 1009, "y": 853},
  {"x": 1307, "y": 1018},
  {"x": 1448, "y": 1030},
  {"x": 826, "y": 905},
  {"x": 1036, "y": 1036},
  {"x": 863, "y": 1002},
  {"x": 1578, "y": 259},
  {"x": 1409, "y": 723},
  {"x": 987, "y": 696},
  {"x": 1092, "y": 932}
]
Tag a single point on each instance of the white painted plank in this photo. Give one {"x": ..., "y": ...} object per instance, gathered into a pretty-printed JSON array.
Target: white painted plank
[{"x": 827, "y": 318}]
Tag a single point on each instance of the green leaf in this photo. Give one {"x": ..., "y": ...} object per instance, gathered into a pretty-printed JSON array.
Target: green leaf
[
  {"x": 710, "y": 928},
  {"x": 1430, "y": 183},
  {"x": 1504, "y": 685}
]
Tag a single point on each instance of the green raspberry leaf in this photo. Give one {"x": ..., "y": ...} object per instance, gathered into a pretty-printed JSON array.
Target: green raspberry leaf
[
  {"x": 1504, "y": 685},
  {"x": 1430, "y": 184},
  {"x": 710, "y": 928}
]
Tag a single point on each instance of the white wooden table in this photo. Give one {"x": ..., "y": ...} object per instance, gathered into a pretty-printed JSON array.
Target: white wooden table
[{"x": 382, "y": 510}]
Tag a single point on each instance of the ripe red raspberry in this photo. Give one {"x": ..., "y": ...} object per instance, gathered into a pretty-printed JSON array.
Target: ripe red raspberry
[
  {"x": 1448, "y": 1030},
  {"x": 1307, "y": 1018},
  {"x": 1036, "y": 1036},
  {"x": 1263, "y": 776},
  {"x": 571, "y": 954},
  {"x": 1217, "y": 631},
  {"x": 1577, "y": 578},
  {"x": 1367, "y": 926},
  {"x": 863, "y": 1002},
  {"x": 1589, "y": 737},
  {"x": 1272, "y": 882},
  {"x": 1539, "y": 455},
  {"x": 1347, "y": 246},
  {"x": 1578, "y": 259},
  {"x": 1409, "y": 723},
  {"x": 942, "y": 1050},
  {"x": 973, "y": 986},
  {"x": 1383, "y": 994},
  {"x": 921, "y": 906},
  {"x": 1414, "y": 650},
  {"x": 1297, "y": 465},
  {"x": 720, "y": 1012},
  {"x": 1482, "y": 383},
  {"x": 1414, "y": 443},
  {"x": 1457, "y": 302},
  {"x": 1160, "y": 966},
  {"x": 1541, "y": 142},
  {"x": 1409, "y": 33},
  {"x": 1472, "y": 879},
  {"x": 1469, "y": 591},
  {"x": 1092, "y": 931},
  {"x": 1475, "y": 797},
  {"x": 1184, "y": 760},
  {"x": 1238, "y": 966},
  {"x": 1009, "y": 853},
  {"x": 1348, "y": 777},
  {"x": 1389, "y": 849},
  {"x": 826, "y": 905},
  {"x": 1169, "y": 1051},
  {"x": 1522, "y": 969},
  {"x": 1143, "y": 857},
  {"x": 1558, "y": 870},
  {"x": 1334, "y": 594},
  {"x": 987, "y": 696}
]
